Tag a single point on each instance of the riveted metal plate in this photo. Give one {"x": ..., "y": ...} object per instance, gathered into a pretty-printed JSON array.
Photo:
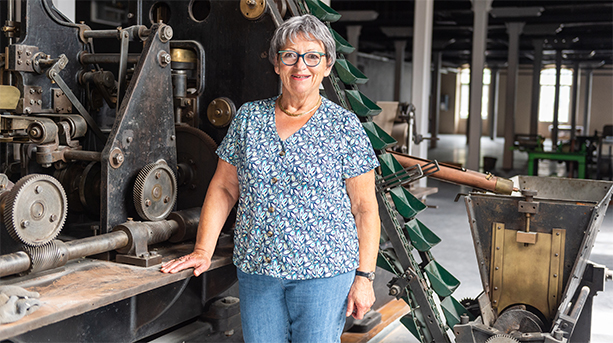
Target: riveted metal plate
[{"x": 556, "y": 269}]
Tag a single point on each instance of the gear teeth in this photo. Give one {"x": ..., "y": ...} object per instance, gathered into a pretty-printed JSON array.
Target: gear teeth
[
  {"x": 502, "y": 338},
  {"x": 12, "y": 203},
  {"x": 144, "y": 178}
]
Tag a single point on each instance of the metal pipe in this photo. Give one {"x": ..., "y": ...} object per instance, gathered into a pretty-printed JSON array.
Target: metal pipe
[
  {"x": 14, "y": 263},
  {"x": 460, "y": 176},
  {"x": 97, "y": 244},
  {"x": 81, "y": 155},
  {"x": 581, "y": 299},
  {"x": 89, "y": 58}
]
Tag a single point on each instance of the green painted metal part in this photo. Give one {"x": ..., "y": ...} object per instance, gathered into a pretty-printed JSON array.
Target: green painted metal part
[
  {"x": 348, "y": 73},
  {"x": 322, "y": 11},
  {"x": 379, "y": 139},
  {"x": 443, "y": 283},
  {"x": 422, "y": 238},
  {"x": 342, "y": 45},
  {"x": 406, "y": 203},
  {"x": 453, "y": 310},
  {"x": 361, "y": 105}
]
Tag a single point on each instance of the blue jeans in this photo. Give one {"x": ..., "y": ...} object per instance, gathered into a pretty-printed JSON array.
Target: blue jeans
[{"x": 298, "y": 311}]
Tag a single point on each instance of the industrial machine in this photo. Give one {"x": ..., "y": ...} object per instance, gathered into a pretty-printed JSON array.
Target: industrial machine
[{"x": 108, "y": 131}]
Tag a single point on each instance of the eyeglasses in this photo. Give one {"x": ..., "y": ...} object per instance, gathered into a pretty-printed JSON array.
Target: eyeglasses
[{"x": 310, "y": 58}]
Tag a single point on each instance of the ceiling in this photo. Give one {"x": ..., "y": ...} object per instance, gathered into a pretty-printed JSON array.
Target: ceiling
[{"x": 581, "y": 29}]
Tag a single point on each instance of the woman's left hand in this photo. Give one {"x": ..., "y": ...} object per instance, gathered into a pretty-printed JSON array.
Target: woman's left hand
[{"x": 361, "y": 297}]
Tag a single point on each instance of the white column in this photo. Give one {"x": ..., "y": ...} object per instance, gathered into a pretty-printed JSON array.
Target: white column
[
  {"x": 514, "y": 29},
  {"x": 481, "y": 9},
  {"x": 353, "y": 37},
  {"x": 422, "y": 55}
]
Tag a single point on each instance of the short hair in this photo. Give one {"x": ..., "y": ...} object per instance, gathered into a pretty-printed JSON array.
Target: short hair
[{"x": 307, "y": 25}]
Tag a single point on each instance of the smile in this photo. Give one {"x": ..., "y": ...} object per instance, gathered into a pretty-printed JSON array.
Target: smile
[{"x": 301, "y": 77}]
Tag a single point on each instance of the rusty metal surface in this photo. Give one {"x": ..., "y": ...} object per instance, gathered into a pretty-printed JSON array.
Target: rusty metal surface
[{"x": 86, "y": 284}]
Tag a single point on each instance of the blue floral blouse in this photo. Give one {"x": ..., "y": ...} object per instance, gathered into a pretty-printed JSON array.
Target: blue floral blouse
[{"x": 294, "y": 216}]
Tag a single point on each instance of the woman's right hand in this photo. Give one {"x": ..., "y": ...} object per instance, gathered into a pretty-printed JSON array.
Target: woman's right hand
[{"x": 198, "y": 260}]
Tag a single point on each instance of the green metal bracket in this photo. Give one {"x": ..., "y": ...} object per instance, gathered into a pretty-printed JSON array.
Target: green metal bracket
[
  {"x": 348, "y": 73},
  {"x": 453, "y": 310},
  {"x": 422, "y": 238},
  {"x": 342, "y": 45},
  {"x": 379, "y": 139},
  {"x": 406, "y": 203},
  {"x": 443, "y": 283},
  {"x": 322, "y": 11},
  {"x": 362, "y": 105}
]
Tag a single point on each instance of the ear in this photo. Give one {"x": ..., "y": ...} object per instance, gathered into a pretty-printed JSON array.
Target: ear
[
  {"x": 277, "y": 69},
  {"x": 328, "y": 70}
]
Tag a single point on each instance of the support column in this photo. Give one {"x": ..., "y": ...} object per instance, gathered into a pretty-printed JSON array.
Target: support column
[
  {"x": 435, "y": 111},
  {"x": 492, "y": 113},
  {"x": 574, "y": 101},
  {"x": 353, "y": 37},
  {"x": 481, "y": 9},
  {"x": 536, "y": 85},
  {"x": 514, "y": 30},
  {"x": 400, "y": 46},
  {"x": 589, "y": 75},
  {"x": 556, "y": 102},
  {"x": 422, "y": 57}
]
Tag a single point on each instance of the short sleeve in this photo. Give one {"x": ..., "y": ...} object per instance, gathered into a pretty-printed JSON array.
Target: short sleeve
[
  {"x": 360, "y": 156},
  {"x": 230, "y": 149}
]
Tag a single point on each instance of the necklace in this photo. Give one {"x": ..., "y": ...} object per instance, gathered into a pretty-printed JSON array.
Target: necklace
[{"x": 297, "y": 114}]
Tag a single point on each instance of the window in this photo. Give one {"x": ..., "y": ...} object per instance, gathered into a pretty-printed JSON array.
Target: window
[
  {"x": 465, "y": 92},
  {"x": 547, "y": 97}
]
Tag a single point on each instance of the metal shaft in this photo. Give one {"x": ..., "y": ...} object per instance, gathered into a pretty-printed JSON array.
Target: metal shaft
[{"x": 89, "y": 58}]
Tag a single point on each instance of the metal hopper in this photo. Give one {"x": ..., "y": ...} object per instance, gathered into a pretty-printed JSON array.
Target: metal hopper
[{"x": 533, "y": 249}]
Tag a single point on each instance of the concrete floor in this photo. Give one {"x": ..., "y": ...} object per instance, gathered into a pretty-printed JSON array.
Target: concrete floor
[{"x": 456, "y": 253}]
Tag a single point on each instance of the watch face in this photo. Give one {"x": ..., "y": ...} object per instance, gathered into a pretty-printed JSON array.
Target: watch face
[{"x": 370, "y": 276}]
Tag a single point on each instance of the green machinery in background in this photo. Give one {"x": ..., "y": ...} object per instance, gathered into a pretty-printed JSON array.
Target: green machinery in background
[{"x": 532, "y": 246}]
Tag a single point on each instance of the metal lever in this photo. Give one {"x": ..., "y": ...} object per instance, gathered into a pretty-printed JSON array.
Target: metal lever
[{"x": 54, "y": 74}]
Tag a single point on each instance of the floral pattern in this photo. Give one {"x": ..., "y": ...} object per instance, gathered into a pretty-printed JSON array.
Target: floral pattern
[{"x": 294, "y": 216}]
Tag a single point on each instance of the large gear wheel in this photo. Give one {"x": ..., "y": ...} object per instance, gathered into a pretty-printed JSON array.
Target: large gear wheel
[
  {"x": 196, "y": 164},
  {"x": 35, "y": 209},
  {"x": 502, "y": 338},
  {"x": 155, "y": 191}
]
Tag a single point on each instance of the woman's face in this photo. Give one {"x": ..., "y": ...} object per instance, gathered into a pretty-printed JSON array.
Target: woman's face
[{"x": 299, "y": 79}]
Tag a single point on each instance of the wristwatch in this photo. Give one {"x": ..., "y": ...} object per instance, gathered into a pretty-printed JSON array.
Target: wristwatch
[{"x": 370, "y": 275}]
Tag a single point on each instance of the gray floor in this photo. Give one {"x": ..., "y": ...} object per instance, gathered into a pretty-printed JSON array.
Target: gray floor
[{"x": 456, "y": 253}]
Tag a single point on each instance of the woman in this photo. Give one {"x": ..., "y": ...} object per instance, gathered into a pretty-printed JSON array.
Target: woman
[{"x": 301, "y": 168}]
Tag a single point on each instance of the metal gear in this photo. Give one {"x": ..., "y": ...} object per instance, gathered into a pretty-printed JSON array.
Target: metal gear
[
  {"x": 502, "y": 338},
  {"x": 35, "y": 209},
  {"x": 471, "y": 305},
  {"x": 155, "y": 191}
]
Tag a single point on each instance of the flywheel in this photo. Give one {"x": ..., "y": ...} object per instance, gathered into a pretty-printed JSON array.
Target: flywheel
[
  {"x": 35, "y": 209},
  {"x": 155, "y": 191},
  {"x": 196, "y": 164}
]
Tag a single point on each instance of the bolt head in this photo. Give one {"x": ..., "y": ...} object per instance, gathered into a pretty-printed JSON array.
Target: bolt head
[
  {"x": 25, "y": 224},
  {"x": 147, "y": 202}
]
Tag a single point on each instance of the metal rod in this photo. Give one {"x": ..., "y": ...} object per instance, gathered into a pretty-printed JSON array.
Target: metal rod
[
  {"x": 89, "y": 58},
  {"x": 97, "y": 244},
  {"x": 101, "y": 34},
  {"x": 581, "y": 299},
  {"x": 14, "y": 263},
  {"x": 81, "y": 155}
]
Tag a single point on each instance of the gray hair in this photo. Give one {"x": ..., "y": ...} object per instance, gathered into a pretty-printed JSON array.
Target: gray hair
[{"x": 307, "y": 25}]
